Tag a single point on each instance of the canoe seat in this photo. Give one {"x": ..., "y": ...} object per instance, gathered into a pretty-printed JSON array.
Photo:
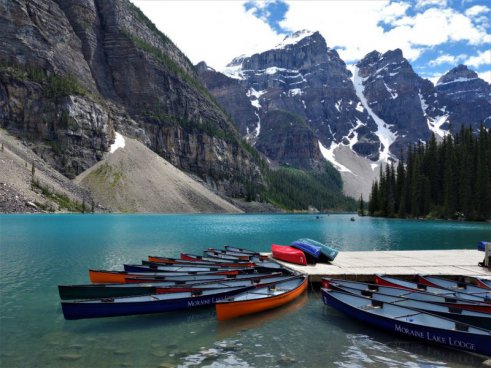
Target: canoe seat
[
  {"x": 367, "y": 293},
  {"x": 377, "y": 304},
  {"x": 459, "y": 326},
  {"x": 107, "y": 300},
  {"x": 455, "y": 310}
]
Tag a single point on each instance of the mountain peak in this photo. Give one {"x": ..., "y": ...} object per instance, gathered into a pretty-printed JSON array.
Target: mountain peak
[
  {"x": 202, "y": 66},
  {"x": 393, "y": 54},
  {"x": 458, "y": 74},
  {"x": 296, "y": 37}
]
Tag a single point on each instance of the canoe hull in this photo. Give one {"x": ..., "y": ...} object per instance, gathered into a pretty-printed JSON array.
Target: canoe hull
[
  {"x": 451, "y": 312},
  {"x": 75, "y": 310},
  {"x": 236, "y": 309},
  {"x": 288, "y": 254},
  {"x": 108, "y": 277},
  {"x": 71, "y": 292},
  {"x": 453, "y": 339}
]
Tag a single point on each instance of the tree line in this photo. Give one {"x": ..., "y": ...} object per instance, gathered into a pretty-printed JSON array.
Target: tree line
[{"x": 449, "y": 180}]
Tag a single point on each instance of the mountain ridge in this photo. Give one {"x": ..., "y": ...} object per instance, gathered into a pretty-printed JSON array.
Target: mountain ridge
[{"x": 375, "y": 108}]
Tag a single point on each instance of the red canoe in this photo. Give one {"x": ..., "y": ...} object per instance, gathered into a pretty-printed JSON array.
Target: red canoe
[{"x": 288, "y": 254}]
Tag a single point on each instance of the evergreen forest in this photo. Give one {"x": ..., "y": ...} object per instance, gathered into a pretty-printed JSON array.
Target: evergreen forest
[{"x": 447, "y": 180}]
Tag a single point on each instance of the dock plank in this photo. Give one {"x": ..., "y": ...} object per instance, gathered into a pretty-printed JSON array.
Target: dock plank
[{"x": 363, "y": 265}]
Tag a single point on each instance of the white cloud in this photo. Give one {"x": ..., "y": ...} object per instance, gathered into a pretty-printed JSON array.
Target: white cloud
[
  {"x": 214, "y": 31},
  {"x": 482, "y": 58},
  {"x": 476, "y": 10},
  {"x": 428, "y": 3},
  {"x": 486, "y": 75},
  {"x": 447, "y": 59},
  {"x": 355, "y": 26},
  {"x": 218, "y": 31}
]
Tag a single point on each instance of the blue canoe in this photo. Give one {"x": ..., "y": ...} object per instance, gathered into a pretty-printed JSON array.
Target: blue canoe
[
  {"x": 316, "y": 249},
  {"x": 165, "y": 268},
  {"x": 482, "y": 245},
  {"x": 465, "y": 316},
  {"x": 449, "y": 299},
  {"x": 410, "y": 322},
  {"x": 145, "y": 304}
]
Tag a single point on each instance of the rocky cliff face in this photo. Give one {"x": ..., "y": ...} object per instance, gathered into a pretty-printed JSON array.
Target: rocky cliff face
[
  {"x": 466, "y": 97},
  {"x": 75, "y": 71}
]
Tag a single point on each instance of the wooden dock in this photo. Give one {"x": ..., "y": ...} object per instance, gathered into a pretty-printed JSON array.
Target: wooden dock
[{"x": 363, "y": 265}]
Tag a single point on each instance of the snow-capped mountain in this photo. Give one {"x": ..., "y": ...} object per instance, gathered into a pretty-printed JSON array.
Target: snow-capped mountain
[
  {"x": 466, "y": 96},
  {"x": 299, "y": 102}
]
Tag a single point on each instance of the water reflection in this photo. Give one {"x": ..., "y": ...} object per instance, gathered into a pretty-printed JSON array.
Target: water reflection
[{"x": 229, "y": 328}]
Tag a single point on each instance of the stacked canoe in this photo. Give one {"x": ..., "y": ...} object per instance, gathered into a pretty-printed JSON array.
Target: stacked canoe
[
  {"x": 455, "y": 314},
  {"x": 161, "y": 284},
  {"x": 303, "y": 252}
]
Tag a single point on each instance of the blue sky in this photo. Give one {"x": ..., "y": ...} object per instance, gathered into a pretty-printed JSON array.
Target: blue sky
[{"x": 435, "y": 35}]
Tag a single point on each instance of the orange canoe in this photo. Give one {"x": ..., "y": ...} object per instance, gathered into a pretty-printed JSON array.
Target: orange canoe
[{"x": 261, "y": 299}]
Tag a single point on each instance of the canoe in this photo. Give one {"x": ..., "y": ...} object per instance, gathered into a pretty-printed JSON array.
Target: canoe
[
  {"x": 410, "y": 322},
  {"x": 173, "y": 261},
  {"x": 454, "y": 285},
  {"x": 449, "y": 299},
  {"x": 247, "y": 251},
  {"x": 195, "y": 257},
  {"x": 145, "y": 304},
  {"x": 261, "y": 299},
  {"x": 288, "y": 254},
  {"x": 408, "y": 285},
  {"x": 481, "y": 246},
  {"x": 223, "y": 256},
  {"x": 483, "y": 283},
  {"x": 262, "y": 265},
  {"x": 318, "y": 250},
  {"x": 103, "y": 276},
  {"x": 231, "y": 252},
  {"x": 93, "y": 291},
  {"x": 206, "y": 278},
  {"x": 167, "y": 268},
  {"x": 465, "y": 316}
]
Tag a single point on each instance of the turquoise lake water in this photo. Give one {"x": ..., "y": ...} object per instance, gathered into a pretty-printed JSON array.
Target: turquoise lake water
[{"x": 38, "y": 252}]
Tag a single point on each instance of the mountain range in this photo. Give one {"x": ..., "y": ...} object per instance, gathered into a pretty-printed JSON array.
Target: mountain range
[
  {"x": 300, "y": 103},
  {"x": 74, "y": 73}
]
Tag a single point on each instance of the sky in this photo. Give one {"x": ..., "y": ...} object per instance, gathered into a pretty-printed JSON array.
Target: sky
[{"x": 434, "y": 35}]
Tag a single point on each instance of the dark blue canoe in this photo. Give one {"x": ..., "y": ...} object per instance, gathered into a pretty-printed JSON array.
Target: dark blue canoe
[
  {"x": 166, "y": 268},
  {"x": 454, "y": 285},
  {"x": 448, "y": 298},
  {"x": 483, "y": 296},
  {"x": 319, "y": 251},
  {"x": 470, "y": 317},
  {"x": 145, "y": 304},
  {"x": 410, "y": 322}
]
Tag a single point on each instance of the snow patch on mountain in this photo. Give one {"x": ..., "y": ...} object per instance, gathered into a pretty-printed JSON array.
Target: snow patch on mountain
[
  {"x": 457, "y": 80},
  {"x": 328, "y": 154},
  {"x": 119, "y": 142},
  {"x": 293, "y": 38},
  {"x": 385, "y": 135},
  {"x": 234, "y": 71},
  {"x": 392, "y": 93},
  {"x": 434, "y": 124},
  {"x": 256, "y": 95},
  {"x": 295, "y": 92}
]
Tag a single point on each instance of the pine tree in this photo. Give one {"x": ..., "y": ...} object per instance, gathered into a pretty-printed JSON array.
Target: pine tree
[{"x": 361, "y": 210}]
